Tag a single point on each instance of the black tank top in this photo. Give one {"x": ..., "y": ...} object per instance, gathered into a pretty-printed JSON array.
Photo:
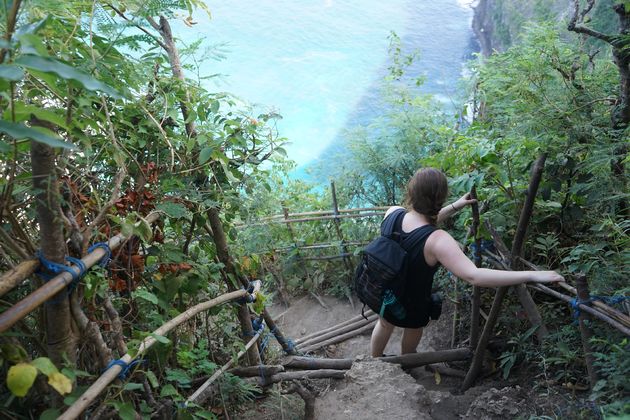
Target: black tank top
[{"x": 419, "y": 279}]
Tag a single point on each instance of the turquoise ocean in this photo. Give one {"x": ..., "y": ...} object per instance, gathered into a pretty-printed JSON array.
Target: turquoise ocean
[{"x": 319, "y": 63}]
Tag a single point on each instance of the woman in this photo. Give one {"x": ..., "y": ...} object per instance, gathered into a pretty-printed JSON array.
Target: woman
[{"x": 426, "y": 192}]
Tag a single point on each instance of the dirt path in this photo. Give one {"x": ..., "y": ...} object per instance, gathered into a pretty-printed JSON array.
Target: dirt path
[{"x": 375, "y": 390}]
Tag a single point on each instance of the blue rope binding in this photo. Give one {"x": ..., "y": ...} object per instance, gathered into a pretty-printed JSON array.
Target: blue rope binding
[
  {"x": 125, "y": 368},
  {"x": 104, "y": 261},
  {"x": 609, "y": 300},
  {"x": 56, "y": 268}
]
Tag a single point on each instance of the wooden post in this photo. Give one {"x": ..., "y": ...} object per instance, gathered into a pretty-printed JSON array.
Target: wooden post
[
  {"x": 519, "y": 239},
  {"x": 287, "y": 345},
  {"x": 476, "y": 297},
  {"x": 344, "y": 248},
  {"x": 285, "y": 211},
  {"x": 223, "y": 254},
  {"x": 585, "y": 331}
]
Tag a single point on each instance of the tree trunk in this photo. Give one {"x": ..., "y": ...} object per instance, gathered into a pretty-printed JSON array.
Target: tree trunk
[
  {"x": 621, "y": 115},
  {"x": 213, "y": 214},
  {"x": 59, "y": 335},
  {"x": 218, "y": 236}
]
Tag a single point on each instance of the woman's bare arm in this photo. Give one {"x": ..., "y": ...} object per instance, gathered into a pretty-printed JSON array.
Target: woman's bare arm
[
  {"x": 450, "y": 209},
  {"x": 441, "y": 247}
]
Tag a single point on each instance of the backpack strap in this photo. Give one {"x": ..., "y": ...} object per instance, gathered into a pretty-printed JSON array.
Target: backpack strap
[
  {"x": 389, "y": 223},
  {"x": 410, "y": 243}
]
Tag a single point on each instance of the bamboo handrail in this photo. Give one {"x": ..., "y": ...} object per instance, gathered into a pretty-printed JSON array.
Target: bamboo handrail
[
  {"x": 110, "y": 374},
  {"x": 330, "y": 216},
  {"x": 321, "y": 245},
  {"x": 17, "y": 275},
  {"x": 597, "y": 314},
  {"x": 618, "y": 315},
  {"x": 339, "y": 338},
  {"x": 350, "y": 327},
  {"x": 55, "y": 285},
  {"x": 300, "y": 340},
  {"x": 198, "y": 394},
  {"x": 324, "y": 212}
]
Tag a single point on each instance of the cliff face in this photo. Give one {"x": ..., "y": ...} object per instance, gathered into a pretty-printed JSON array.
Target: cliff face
[{"x": 498, "y": 23}]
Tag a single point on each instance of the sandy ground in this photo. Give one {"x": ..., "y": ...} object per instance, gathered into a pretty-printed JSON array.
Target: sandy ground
[{"x": 376, "y": 390}]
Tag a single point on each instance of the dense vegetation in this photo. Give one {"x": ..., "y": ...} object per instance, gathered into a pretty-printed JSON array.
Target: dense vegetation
[{"x": 104, "y": 122}]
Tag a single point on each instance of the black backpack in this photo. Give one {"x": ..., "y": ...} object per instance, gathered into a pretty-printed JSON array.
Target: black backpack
[{"x": 381, "y": 276}]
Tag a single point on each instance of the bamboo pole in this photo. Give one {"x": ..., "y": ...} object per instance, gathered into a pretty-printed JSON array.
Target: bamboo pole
[
  {"x": 406, "y": 361},
  {"x": 476, "y": 296},
  {"x": 339, "y": 338},
  {"x": 288, "y": 220},
  {"x": 286, "y": 345},
  {"x": 597, "y": 314},
  {"x": 342, "y": 330},
  {"x": 200, "y": 395},
  {"x": 296, "y": 376},
  {"x": 249, "y": 371},
  {"x": 585, "y": 331},
  {"x": 17, "y": 275},
  {"x": 612, "y": 312},
  {"x": 340, "y": 216},
  {"x": 541, "y": 288},
  {"x": 344, "y": 248},
  {"x": 323, "y": 213},
  {"x": 368, "y": 313},
  {"x": 325, "y": 257},
  {"x": 110, "y": 374},
  {"x": 322, "y": 245},
  {"x": 526, "y": 212},
  {"x": 50, "y": 288}
]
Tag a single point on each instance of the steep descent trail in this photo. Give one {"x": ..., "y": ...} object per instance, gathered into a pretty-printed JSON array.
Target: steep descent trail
[{"x": 372, "y": 389}]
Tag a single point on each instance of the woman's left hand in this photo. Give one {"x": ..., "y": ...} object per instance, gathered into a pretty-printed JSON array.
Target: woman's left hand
[{"x": 464, "y": 201}]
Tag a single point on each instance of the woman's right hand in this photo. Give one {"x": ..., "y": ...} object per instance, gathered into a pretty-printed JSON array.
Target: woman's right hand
[{"x": 547, "y": 277}]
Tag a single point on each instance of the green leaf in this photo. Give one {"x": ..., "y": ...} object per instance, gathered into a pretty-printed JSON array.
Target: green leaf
[
  {"x": 160, "y": 338},
  {"x": 228, "y": 173},
  {"x": 23, "y": 112},
  {"x": 205, "y": 415},
  {"x": 50, "y": 414},
  {"x": 152, "y": 379},
  {"x": 31, "y": 28},
  {"x": 146, "y": 295},
  {"x": 44, "y": 365},
  {"x": 14, "y": 353},
  {"x": 20, "y": 131},
  {"x": 11, "y": 72},
  {"x": 205, "y": 154},
  {"x": 50, "y": 65},
  {"x": 20, "y": 378},
  {"x": 174, "y": 210},
  {"x": 132, "y": 386},
  {"x": 143, "y": 230},
  {"x": 168, "y": 390},
  {"x": 125, "y": 411}
]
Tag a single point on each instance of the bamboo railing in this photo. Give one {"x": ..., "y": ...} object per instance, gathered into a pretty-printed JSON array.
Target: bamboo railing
[{"x": 58, "y": 283}]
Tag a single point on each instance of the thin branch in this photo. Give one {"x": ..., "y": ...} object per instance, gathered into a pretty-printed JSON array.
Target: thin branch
[
  {"x": 90, "y": 331},
  {"x": 122, "y": 15},
  {"x": 576, "y": 26},
  {"x": 118, "y": 180},
  {"x": 11, "y": 21}
]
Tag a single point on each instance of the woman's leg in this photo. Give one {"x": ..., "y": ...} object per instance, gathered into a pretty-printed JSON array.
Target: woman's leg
[
  {"x": 380, "y": 336},
  {"x": 410, "y": 339}
]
